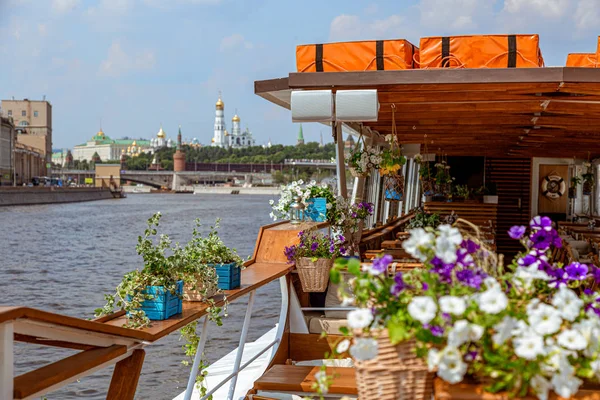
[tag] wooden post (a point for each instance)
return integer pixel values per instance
(341, 164)
(126, 376)
(6, 360)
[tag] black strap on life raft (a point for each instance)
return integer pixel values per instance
(512, 51)
(379, 55)
(445, 52)
(319, 57)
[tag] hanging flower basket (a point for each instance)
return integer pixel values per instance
(428, 186)
(394, 187)
(396, 373)
(314, 275)
(362, 159)
(587, 187)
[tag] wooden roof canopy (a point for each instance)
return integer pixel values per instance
(521, 112)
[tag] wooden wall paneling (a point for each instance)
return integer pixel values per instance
(512, 177)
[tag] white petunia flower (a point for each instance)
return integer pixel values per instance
(541, 386)
(450, 233)
(419, 239)
(568, 303)
(321, 378)
(504, 330)
(360, 318)
(590, 329)
(422, 309)
(453, 305)
(343, 346)
(451, 367)
(364, 349)
(463, 332)
(492, 301)
(433, 359)
(445, 249)
(566, 385)
(572, 339)
(529, 347)
(491, 283)
(544, 319)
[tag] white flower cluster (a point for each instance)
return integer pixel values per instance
(369, 157)
(288, 196)
(445, 244)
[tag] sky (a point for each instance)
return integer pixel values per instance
(131, 65)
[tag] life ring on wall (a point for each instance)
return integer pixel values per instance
(553, 186)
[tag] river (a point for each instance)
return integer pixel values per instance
(63, 258)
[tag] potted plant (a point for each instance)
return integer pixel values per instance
(200, 279)
(575, 181)
(588, 179)
(424, 220)
(313, 256)
(426, 177)
(490, 195)
(211, 251)
(155, 291)
(462, 193)
(390, 167)
(318, 200)
(359, 212)
(362, 159)
(531, 329)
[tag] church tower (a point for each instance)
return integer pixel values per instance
(219, 138)
(179, 156)
(300, 137)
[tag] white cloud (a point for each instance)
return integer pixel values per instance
(587, 15)
(64, 6)
(235, 41)
(546, 8)
(455, 14)
(351, 27)
(119, 62)
(43, 29)
(111, 7)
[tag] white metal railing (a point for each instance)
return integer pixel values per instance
(237, 367)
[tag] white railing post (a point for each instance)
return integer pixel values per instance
(6, 360)
(194, 373)
(240, 352)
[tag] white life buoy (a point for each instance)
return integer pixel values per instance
(553, 186)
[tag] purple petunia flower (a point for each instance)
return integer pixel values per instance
(542, 239)
(543, 223)
(588, 292)
(576, 271)
(464, 259)
(442, 269)
(437, 331)
(332, 249)
(290, 253)
(425, 286)
(380, 264)
(471, 278)
(470, 246)
(596, 273)
(516, 232)
(314, 246)
(398, 285)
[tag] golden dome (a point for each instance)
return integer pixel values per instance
(129, 149)
(235, 118)
(213, 140)
(161, 134)
(100, 133)
(226, 133)
(134, 143)
(220, 105)
(122, 151)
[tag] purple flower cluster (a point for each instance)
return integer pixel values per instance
(542, 235)
(399, 284)
(313, 244)
(362, 210)
(464, 269)
(380, 264)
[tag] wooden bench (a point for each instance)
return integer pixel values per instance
(295, 378)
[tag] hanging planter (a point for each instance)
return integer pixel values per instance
(588, 186)
(428, 186)
(363, 159)
(394, 187)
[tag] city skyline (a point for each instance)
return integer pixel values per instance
(136, 63)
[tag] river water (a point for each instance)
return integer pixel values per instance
(63, 258)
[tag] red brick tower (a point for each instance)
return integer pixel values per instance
(179, 156)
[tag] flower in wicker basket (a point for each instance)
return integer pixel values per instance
(314, 256)
(530, 330)
(362, 160)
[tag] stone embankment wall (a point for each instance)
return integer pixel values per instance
(19, 196)
(272, 191)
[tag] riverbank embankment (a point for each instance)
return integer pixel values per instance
(263, 190)
(22, 196)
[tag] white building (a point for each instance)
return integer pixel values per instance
(236, 139)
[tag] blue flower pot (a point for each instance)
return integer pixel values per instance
(230, 276)
(393, 195)
(317, 209)
(164, 304)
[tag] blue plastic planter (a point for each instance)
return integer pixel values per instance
(164, 304)
(229, 276)
(317, 209)
(392, 195)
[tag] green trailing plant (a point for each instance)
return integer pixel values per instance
(575, 181)
(423, 220)
(463, 191)
(159, 269)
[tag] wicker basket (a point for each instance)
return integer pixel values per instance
(395, 374)
(314, 276)
(357, 174)
(189, 294)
